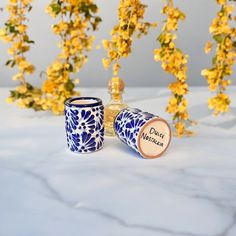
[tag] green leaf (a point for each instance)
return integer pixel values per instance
(93, 8)
(8, 62)
(98, 19)
(218, 38)
(56, 8)
(29, 86)
(214, 60)
(69, 85)
(12, 29)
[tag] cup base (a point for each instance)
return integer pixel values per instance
(83, 152)
(154, 138)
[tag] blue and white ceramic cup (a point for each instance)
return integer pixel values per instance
(84, 117)
(147, 134)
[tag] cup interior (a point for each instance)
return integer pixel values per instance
(83, 102)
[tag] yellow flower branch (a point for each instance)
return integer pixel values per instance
(224, 36)
(76, 18)
(15, 33)
(131, 14)
(174, 62)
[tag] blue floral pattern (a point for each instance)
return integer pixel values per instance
(128, 123)
(84, 128)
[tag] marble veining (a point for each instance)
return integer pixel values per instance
(48, 190)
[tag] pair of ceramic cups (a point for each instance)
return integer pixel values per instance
(146, 133)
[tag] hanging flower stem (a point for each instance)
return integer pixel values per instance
(225, 54)
(131, 14)
(15, 33)
(76, 19)
(174, 62)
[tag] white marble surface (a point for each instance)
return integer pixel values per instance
(47, 191)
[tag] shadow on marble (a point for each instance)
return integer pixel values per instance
(199, 111)
(115, 143)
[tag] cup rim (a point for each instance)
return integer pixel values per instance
(98, 102)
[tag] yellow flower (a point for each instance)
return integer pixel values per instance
(131, 14)
(26, 2)
(172, 106)
(157, 54)
(3, 33)
(18, 76)
(224, 59)
(219, 103)
(179, 88)
(49, 86)
(22, 28)
(106, 63)
(72, 28)
(15, 33)
(183, 106)
(10, 100)
(174, 62)
(76, 81)
(208, 47)
(225, 83)
(180, 129)
(21, 103)
(221, 2)
(106, 44)
(21, 89)
(57, 66)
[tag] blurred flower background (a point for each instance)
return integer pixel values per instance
(140, 69)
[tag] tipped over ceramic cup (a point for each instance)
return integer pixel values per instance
(147, 134)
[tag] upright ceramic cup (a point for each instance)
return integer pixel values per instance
(147, 134)
(84, 117)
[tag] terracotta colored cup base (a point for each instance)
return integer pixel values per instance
(154, 138)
